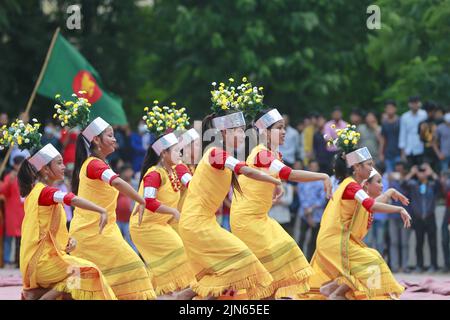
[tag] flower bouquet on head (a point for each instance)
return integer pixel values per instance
(347, 139)
(163, 120)
(250, 99)
(25, 136)
(74, 112)
(224, 97)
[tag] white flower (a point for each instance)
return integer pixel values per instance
(27, 140)
(343, 136)
(74, 95)
(144, 118)
(214, 84)
(34, 120)
(62, 124)
(18, 131)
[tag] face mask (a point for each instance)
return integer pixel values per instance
(142, 128)
(49, 130)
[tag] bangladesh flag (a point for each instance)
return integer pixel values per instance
(68, 72)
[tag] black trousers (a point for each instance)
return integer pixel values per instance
(426, 226)
(311, 246)
(446, 238)
(415, 160)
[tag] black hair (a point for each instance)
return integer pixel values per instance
(206, 125)
(81, 155)
(26, 177)
(414, 98)
(429, 106)
(150, 160)
(357, 111)
(390, 101)
(381, 167)
(125, 167)
(18, 160)
(340, 167)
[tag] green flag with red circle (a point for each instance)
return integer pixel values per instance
(68, 72)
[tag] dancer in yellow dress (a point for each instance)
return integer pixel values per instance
(48, 271)
(250, 221)
(157, 242)
(220, 261)
(345, 268)
(94, 180)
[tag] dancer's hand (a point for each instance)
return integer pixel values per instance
(71, 245)
(277, 193)
(397, 196)
(328, 186)
(140, 209)
(103, 221)
(176, 215)
(406, 218)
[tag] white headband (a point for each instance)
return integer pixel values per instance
(358, 156)
(189, 136)
(268, 119)
(373, 173)
(43, 156)
(95, 128)
(229, 121)
(165, 142)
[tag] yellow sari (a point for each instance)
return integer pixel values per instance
(124, 270)
(159, 244)
(342, 256)
(218, 258)
(43, 260)
(274, 247)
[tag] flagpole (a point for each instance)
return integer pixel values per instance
(33, 93)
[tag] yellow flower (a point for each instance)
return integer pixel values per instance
(355, 141)
(244, 79)
(155, 102)
(260, 88)
(68, 103)
(346, 142)
(57, 96)
(146, 109)
(173, 104)
(88, 104)
(54, 116)
(231, 80)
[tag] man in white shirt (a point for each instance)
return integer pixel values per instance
(411, 146)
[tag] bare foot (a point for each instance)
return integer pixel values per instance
(186, 294)
(168, 296)
(329, 288)
(34, 294)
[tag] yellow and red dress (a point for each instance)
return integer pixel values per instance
(43, 260)
(218, 258)
(157, 242)
(342, 256)
(250, 222)
(124, 270)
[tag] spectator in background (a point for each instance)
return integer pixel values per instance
(125, 206)
(308, 137)
(427, 134)
(398, 235)
(321, 153)
(290, 150)
(356, 117)
(312, 203)
(377, 233)
(300, 127)
(14, 214)
(280, 208)
(409, 141)
(370, 134)
(390, 131)
(51, 136)
(331, 126)
(69, 144)
(424, 193)
(443, 142)
(137, 146)
(445, 180)
(439, 115)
